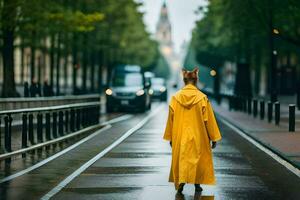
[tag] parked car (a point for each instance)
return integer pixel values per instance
(128, 89)
(159, 88)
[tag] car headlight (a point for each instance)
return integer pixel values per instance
(162, 89)
(140, 93)
(150, 91)
(109, 92)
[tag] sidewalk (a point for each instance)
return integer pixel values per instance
(277, 138)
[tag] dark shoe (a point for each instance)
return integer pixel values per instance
(180, 188)
(198, 188)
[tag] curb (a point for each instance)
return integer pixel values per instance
(271, 148)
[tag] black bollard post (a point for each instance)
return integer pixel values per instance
(292, 108)
(262, 109)
(84, 112)
(67, 125)
(249, 106)
(7, 133)
(255, 107)
(39, 127)
(277, 113)
(78, 119)
(245, 105)
(24, 131)
(72, 123)
(270, 111)
(30, 129)
(298, 99)
(54, 125)
(97, 115)
(0, 135)
(48, 126)
(61, 123)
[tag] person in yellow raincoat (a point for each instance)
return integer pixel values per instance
(191, 127)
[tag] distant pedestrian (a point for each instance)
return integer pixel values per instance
(191, 127)
(47, 89)
(33, 88)
(26, 89)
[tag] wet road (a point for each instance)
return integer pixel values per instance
(138, 168)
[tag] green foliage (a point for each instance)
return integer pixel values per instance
(95, 33)
(240, 30)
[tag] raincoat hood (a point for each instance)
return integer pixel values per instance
(189, 96)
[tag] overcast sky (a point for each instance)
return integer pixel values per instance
(181, 13)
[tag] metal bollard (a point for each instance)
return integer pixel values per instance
(72, 120)
(39, 127)
(61, 123)
(277, 113)
(262, 110)
(84, 112)
(298, 99)
(67, 125)
(54, 125)
(48, 126)
(249, 101)
(244, 104)
(24, 131)
(7, 133)
(90, 117)
(78, 119)
(292, 108)
(30, 129)
(255, 107)
(270, 111)
(0, 135)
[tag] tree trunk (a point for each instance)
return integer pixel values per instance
(100, 64)
(9, 85)
(22, 63)
(93, 62)
(84, 64)
(75, 62)
(52, 61)
(58, 56)
(9, 12)
(32, 56)
(66, 63)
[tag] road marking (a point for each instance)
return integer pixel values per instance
(107, 125)
(67, 180)
(283, 162)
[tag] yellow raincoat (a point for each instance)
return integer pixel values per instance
(191, 126)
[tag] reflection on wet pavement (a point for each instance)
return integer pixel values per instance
(139, 168)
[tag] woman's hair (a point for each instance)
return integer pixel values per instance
(190, 76)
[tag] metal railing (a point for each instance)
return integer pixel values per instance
(32, 102)
(47, 123)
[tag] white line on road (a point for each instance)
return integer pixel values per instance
(107, 125)
(283, 162)
(67, 180)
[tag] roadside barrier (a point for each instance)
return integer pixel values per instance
(270, 111)
(262, 109)
(292, 108)
(48, 123)
(277, 113)
(255, 109)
